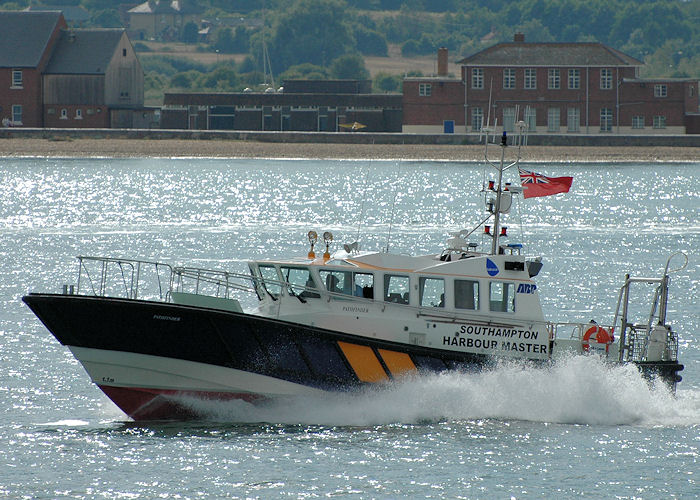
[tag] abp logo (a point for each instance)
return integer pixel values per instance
(491, 267)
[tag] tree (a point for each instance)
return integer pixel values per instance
(384, 82)
(190, 33)
(370, 42)
(312, 31)
(349, 66)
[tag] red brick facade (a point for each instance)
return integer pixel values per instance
(536, 83)
(28, 94)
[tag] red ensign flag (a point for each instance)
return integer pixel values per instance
(535, 184)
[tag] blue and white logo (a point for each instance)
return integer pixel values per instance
(491, 267)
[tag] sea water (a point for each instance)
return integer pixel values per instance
(579, 428)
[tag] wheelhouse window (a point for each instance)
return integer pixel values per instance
(575, 79)
(396, 289)
(270, 280)
(432, 292)
(502, 296)
(606, 78)
(364, 285)
(300, 281)
(337, 281)
(467, 294)
(530, 78)
(509, 78)
(425, 89)
(553, 79)
(17, 79)
(478, 78)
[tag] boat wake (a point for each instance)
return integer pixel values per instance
(577, 390)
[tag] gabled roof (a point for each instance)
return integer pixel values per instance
(165, 7)
(550, 54)
(84, 51)
(25, 37)
(70, 12)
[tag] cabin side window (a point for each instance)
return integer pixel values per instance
(467, 294)
(300, 281)
(502, 296)
(396, 289)
(364, 285)
(432, 292)
(337, 281)
(270, 280)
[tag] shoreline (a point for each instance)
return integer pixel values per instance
(236, 149)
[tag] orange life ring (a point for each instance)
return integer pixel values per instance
(600, 335)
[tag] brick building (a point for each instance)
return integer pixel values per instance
(26, 46)
(302, 105)
(52, 76)
(575, 88)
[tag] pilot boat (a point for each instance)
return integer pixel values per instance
(326, 322)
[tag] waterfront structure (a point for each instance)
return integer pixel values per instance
(300, 105)
(94, 80)
(53, 76)
(555, 88)
(26, 45)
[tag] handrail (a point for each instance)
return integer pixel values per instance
(131, 286)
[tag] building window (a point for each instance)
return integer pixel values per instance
(574, 78)
(51, 111)
(606, 78)
(78, 114)
(17, 79)
(638, 121)
(478, 78)
(531, 119)
(692, 91)
(659, 121)
(553, 120)
(573, 120)
(425, 89)
(509, 119)
(64, 114)
(123, 52)
(477, 119)
(606, 118)
(553, 79)
(530, 78)
(660, 90)
(16, 114)
(509, 78)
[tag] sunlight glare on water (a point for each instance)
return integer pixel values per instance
(578, 428)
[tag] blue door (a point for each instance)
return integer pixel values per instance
(449, 126)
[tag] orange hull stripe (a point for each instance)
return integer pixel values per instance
(398, 363)
(362, 359)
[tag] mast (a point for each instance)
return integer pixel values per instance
(499, 190)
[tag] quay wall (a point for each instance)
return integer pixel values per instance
(596, 140)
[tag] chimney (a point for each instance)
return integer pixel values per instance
(442, 61)
(519, 37)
